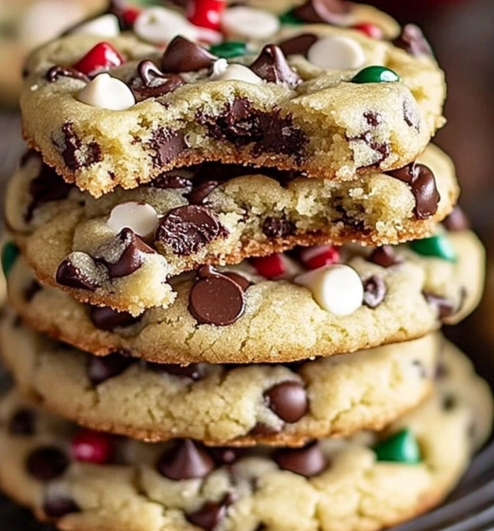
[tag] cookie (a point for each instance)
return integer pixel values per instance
(211, 215)
(222, 404)
(272, 310)
(315, 97)
(84, 480)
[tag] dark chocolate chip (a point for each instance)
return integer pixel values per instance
(186, 460)
(108, 319)
(68, 274)
(457, 221)
(330, 11)
(298, 45)
(22, 422)
(373, 118)
(56, 72)
(183, 55)
(271, 65)
(384, 256)
(30, 291)
(74, 153)
(215, 298)
(445, 307)
(278, 228)
(449, 402)
(200, 192)
(263, 430)
(57, 506)
(192, 371)
(188, 229)
(374, 291)
(410, 115)
(47, 463)
(382, 150)
(412, 40)
(168, 146)
(422, 183)
(101, 369)
(152, 82)
(288, 400)
(170, 181)
(239, 279)
(119, 9)
(307, 462)
(209, 515)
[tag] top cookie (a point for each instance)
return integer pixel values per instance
(329, 100)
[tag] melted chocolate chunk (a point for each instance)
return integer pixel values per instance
(307, 462)
(100, 369)
(288, 400)
(445, 307)
(58, 506)
(216, 298)
(384, 256)
(186, 460)
(152, 82)
(263, 430)
(192, 371)
(68, 274)
(170, 181)
(210, 514)
(183, 55)
(422, 183)
(189, 229)
(457, 221)
(74, 153)
(56, 72)
(271, 65)
(22, 422)
(278, 228)
(239, 279)
(47, 463)
(412, 40)
(325, 11)
(30, 291)
(108, 319)
(168, 146)
(200, 192)
(374, 291)
(298, 45)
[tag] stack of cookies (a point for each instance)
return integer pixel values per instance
(231, 249)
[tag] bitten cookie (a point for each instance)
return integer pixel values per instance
(222, 404)
(213, 214)
(276, 309)
(311, 93)
(89, 481)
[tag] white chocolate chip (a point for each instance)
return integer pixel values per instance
(336, 288)
(222, 71)
(107, 92)
(249, 23)
(160, 25)
(336, 53)
(140, 217)
(104, 26)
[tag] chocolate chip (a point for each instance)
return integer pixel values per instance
(215, 298)
(168, 145)
(288, 400)
(457, 221)
(239, 279)
(201, 191)
(152, 82)
(30, 291)
(132, 257)
(384, 256)
(298, 45)
(189, 229)
(101, 369)
(374, 291)
(22, 422)
(47, 463)
(317, 11)
(56, 72)
(271, 65)
(444, 307)
(170, 181)
(57, 506)
(183, 55)
(382, 150)
(107, 319)
(422, 183)
(307, 462)
(186, 460)
(410, 115)
(263, 430)
(278, 228)
(412, 40)
(192, 371)
(119, 9)
(449, 402)
(74, 153)
(72, 276)
(373, 118)
(209, 515)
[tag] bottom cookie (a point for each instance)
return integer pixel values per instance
(87, 481)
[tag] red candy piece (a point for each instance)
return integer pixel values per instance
(320, 256)
(371, 30)
(102, 57)
(206, 13)
(92, 447)
(130, 14)
(269, 266)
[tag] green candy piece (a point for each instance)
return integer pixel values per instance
(290, 18)
(401, 447)
(438, 246)
(10, 252)
(376, 74)
(229, 49)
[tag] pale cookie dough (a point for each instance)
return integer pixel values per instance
(375, 108)
(366, 483)
(243, 216)
(219, 404)
(330, 310)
